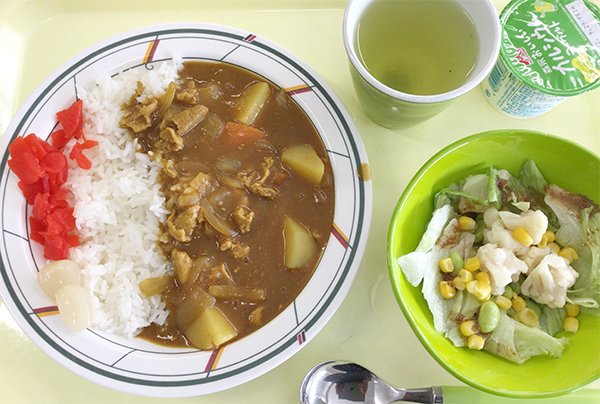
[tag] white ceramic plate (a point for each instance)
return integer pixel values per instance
(137, 366)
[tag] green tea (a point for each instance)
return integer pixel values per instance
(421, 47)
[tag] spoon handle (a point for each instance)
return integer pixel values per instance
(427, 395)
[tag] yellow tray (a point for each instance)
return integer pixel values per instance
(36, 37)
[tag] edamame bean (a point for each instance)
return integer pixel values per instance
(508, 292)
(516, 288)
(478, 232)
(489, 315)
(457, 261)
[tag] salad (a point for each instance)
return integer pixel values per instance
(507, 263)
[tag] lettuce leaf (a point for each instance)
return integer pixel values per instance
(474, 194)
(532, 178)
(416, 264)
(517, 342)
(464, 307)
(516, 190)
(551, 320)
(579, 219)
(421, 265)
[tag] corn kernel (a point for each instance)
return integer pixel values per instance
(447, 290)
(503, 302)
(468, 328)
(460, 281)
(483, 277)
(472, 264)
(572, 309)
(521, 235)
(554, 247)
(475, 342)
(547, 238)
(445, 265)
(550, 236)
(571, 324)
(481, 290)
(569, 254)
(528, 317)
(518, 303)
(466, 223)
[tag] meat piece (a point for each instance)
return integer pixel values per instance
(187, 97)
(219, 275)
(187, 119)
(140, 117)
(182, 263)
(265, 167)
(169, 169)
(254, 180)
(243, 217)
(180, 233)
(238, 250)
(263, 191)
(177, 234)
(169, 141)
(203, 183)
(187, 219)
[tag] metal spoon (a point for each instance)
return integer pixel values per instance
(347, 382)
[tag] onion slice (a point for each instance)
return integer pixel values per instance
(215, 221)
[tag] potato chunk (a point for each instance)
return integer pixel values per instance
(192, 307)
(210, 330)
(305, 162)
(251, 102)
(300, 246)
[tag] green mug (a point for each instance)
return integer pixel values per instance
(395, 109)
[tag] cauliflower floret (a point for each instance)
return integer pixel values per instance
(502, 264)
(549, 281)
(499, 235)
(490, 217)
(533, 221)
(534, 256)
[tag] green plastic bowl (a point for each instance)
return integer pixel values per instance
(563, 163)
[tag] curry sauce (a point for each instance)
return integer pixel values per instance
(245, 177)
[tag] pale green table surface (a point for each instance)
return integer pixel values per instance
(38, 36)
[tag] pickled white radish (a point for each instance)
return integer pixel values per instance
(75, 307)
(57, 275)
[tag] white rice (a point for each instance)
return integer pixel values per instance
(118, 207)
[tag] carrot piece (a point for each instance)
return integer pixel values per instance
(237, 134)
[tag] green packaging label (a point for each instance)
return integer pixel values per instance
(553, 45)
